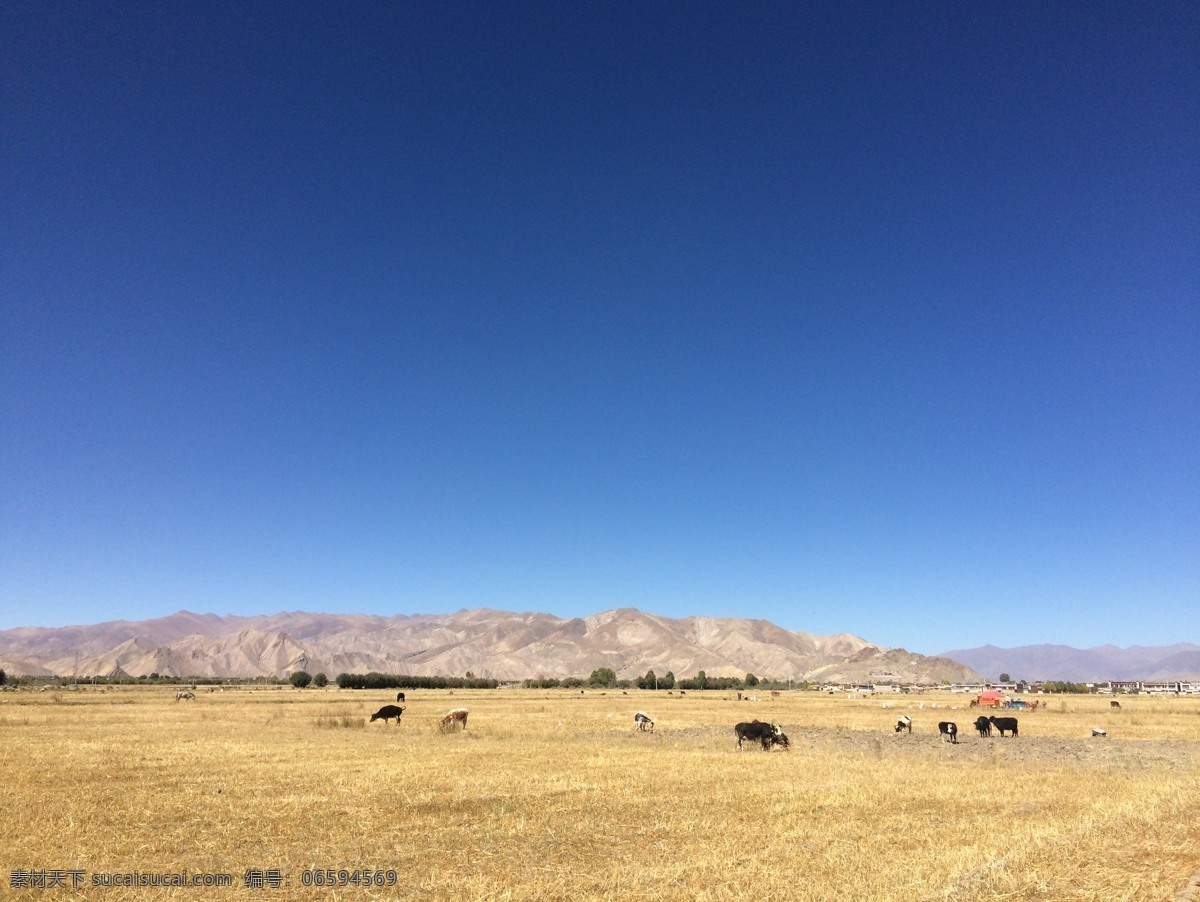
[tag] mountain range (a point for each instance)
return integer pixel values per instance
(490, 644)
(1081, 665)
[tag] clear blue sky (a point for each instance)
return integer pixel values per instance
(868, 318)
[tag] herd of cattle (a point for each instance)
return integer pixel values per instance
(768, 735)
(948, 730)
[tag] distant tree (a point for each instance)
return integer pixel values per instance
(572, 683)
(1005, 678)
(603, 676)
(3, 677)
(1065, 687)
(320, 681)
(300, 679)
(751, 680)
(649, 681)
(470, 676)
(667, 682)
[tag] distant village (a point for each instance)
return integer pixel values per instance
(1039, 687)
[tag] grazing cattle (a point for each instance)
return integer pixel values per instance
(1097, 731)
(984, 726)
(1004, 723)
(387, 712)
(768, 734)
(904, 723)
(949, 730)
(184, 696)
(643, 722)
(399, 696)
(454, 716)
(1115, 705)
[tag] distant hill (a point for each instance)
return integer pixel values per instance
(1083, 665)
(496, 644)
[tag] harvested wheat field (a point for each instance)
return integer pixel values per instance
(552, 795)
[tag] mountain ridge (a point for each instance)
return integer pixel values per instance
(502, 645)
(1101, 663)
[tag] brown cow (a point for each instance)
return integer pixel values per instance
(454, 716)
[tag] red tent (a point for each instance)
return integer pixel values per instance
(990, 698)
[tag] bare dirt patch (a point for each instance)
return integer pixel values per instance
(1103, 752)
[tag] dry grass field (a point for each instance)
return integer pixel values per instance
(551, 795)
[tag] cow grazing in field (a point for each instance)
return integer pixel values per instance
(643, 722)
(1004, 723)
(453, 717)
(399, 696)
(768, 734)
(984, 726)
(387, 712)
(949, 730)
(904, 723)
(1115, 705)
(184, 696)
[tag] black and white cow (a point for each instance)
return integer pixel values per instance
(1004, 723)
(949, 730)
(387, 712)
(643, 722)
(984, 726)
(768, 734)
(904, 723)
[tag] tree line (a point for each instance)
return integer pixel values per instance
(375, 680)
(606, 678)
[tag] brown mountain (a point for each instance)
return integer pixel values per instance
(497, 644)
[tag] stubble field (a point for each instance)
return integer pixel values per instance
(551, 795)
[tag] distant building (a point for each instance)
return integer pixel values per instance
(1155, 687)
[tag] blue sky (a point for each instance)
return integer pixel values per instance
(860, 318)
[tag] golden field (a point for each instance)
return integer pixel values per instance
(551, 795)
